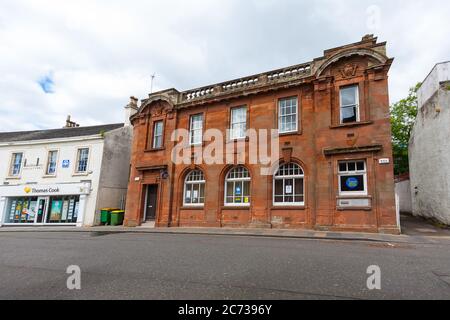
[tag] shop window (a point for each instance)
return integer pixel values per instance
(196, 129)
(288, 115)
(51, 163)
(63, 209)
(82, 160)
(194, 189)
(349, 104)
(16, 164)
(238, 126)
(158, 133)
(21, 210)
(237, 187)
(352, 178)
(289, 186)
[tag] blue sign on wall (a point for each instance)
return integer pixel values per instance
(66, 164)
(352, 183)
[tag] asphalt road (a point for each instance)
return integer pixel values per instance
(163, 266)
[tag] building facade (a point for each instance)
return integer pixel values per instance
(63, 176)
(429, 148)
(331, 166)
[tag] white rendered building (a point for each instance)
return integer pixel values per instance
(63, 176)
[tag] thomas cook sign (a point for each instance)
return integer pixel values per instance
(45, 190)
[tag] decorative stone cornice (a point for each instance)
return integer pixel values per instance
(358, 149)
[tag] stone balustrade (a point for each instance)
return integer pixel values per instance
(281, 75)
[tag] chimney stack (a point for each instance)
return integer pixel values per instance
(131, 110)
(71, 124)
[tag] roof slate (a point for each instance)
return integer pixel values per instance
(57, 133)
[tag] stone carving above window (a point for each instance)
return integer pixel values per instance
(349, 70)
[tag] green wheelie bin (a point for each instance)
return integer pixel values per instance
(117, 217)
(105, 216)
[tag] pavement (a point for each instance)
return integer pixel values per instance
(150, 265)
(414, 230)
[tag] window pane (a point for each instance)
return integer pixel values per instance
(299, 187)
(343, 167)
(354, 183)
(348, 96)
(195, 193)
(279, 187)
(230, 186)
(351, 166)
(349, 114)
(288, 186)
(82, 160)
(361, 166)
(287, 113)
(188, 194)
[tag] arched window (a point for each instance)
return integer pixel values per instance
(237, 187)
(289, 186)
(194, 189)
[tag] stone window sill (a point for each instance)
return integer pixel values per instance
(351, 125)
(192, 208)
(280, 208)
(236, 208)
(155, 150)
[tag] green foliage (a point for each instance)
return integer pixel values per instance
(403, 116)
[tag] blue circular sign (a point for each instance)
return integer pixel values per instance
(352, 183)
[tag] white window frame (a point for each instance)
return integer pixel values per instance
(191, 183)
(47, 167)
(294, 177)
(193, 131)
(281, 116)
(353, 173)
(342, 106)
(233, 124)
(78, 160)
(12, 165)
(160, 135)
(234, 180)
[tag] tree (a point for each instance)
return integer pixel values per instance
(403, 116)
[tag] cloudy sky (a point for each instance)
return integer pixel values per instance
(85, 58)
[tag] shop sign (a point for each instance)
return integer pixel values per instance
(66, 164)
(45, 190)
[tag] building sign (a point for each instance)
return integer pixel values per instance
(66, 164)
(37, 190)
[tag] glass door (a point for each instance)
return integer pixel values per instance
(42, 209)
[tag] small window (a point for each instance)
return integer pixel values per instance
(352, 178)
(194, 189)
(16, 164)
(287, 115)
(196, 129)
(82, 160)
(238, 123)
(51, 163)
(349, 104)
(158, 134)
(237, 187)
(289, 186)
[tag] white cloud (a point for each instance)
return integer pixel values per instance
(101, 52)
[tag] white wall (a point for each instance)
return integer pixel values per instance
(67, 150)
(115, 171)
(403, 190)
(429, 150)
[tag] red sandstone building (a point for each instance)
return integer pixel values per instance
(334, 170)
